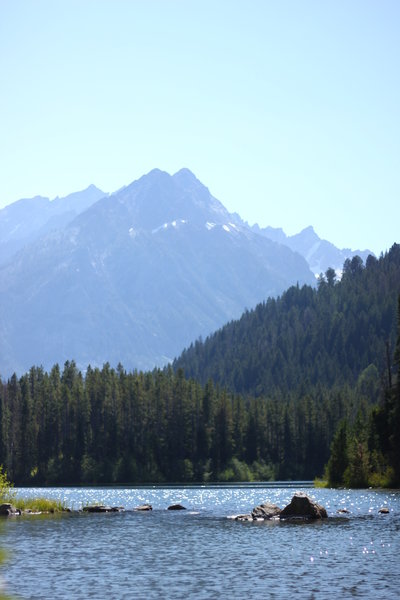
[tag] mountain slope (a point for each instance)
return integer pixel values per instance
(136, 277)
(307, 336)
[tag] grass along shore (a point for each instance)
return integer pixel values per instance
(34, 505)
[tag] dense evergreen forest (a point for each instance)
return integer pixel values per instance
(317, 376)
(111, 426)
(326, 336)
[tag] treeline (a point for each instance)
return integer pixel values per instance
(366, 450)
(308, 336)
(110, 426)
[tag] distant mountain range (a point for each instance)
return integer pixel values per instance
(135, 276)
(320, 254)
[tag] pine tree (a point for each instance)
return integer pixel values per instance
(339, 459)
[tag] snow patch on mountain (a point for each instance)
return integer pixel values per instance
(311, 251)
(175, 224)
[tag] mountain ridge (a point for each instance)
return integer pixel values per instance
(27, 219)
(319, 253)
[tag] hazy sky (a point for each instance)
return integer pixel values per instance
(288, 111)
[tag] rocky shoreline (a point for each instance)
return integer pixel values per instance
(9, 510)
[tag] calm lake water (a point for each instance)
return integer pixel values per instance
(200, 553)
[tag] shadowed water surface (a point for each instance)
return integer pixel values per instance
(199, 553)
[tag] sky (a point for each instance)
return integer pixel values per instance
(289, 111)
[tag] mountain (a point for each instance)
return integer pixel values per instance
(320, 254)
(340, 333)
(136, 277)
(28, 219)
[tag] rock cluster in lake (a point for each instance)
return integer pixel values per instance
(300, 507)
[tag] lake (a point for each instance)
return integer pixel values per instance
(200, 553)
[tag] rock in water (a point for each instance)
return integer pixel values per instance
(267, 510)
(301, 506)
(242, 518)
(144, 507)
(176, 507)
(7, 509)
(98, 508)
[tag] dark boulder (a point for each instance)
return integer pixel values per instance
(243, 518)
(7, 510)
(302, 507)
(176, 507)
(267, 510)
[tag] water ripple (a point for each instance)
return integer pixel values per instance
(199, 553)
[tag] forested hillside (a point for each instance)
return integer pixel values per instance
(366, 449)
(326, 336)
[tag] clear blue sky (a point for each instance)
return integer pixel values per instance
(288, 111)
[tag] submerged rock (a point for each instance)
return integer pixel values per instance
(29, 511)
(264, 511)
(243, 518)
(144, 507)
(100, 508)
(302, 507)
(176, 507)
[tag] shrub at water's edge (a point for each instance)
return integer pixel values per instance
(7, 493)
(320, 483)
(9, 496)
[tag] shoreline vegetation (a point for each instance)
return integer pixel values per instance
(11, 504)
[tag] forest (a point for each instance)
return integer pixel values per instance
(322, 398)
(111, 426)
